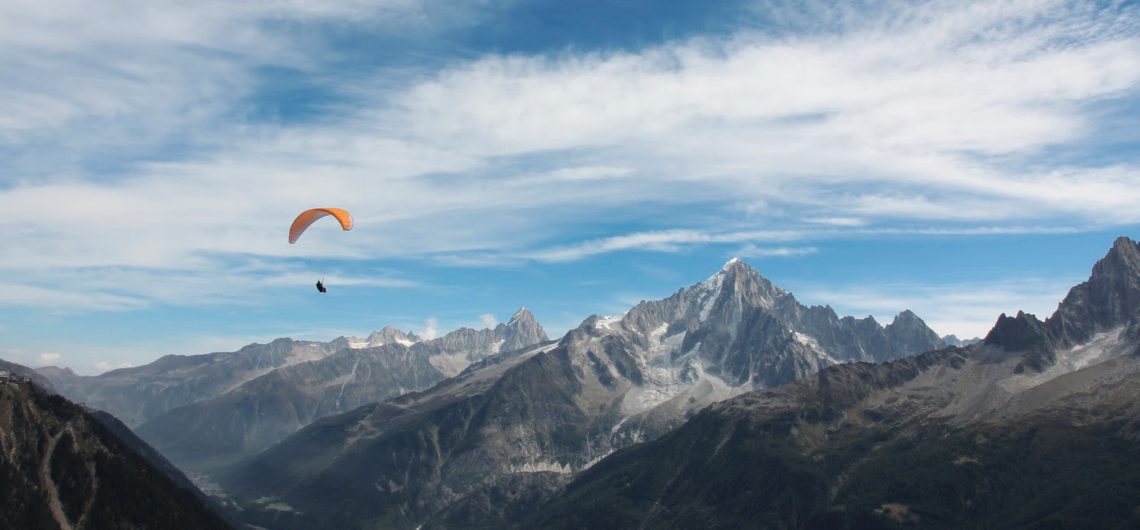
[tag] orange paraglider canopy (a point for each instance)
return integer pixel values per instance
(307, 218)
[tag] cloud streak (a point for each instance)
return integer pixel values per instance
(753, 251)
(667, 241)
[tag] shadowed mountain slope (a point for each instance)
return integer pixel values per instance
(61, 467)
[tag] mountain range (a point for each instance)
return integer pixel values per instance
(1035, 427)
(204, 409)
(727, 404)
(135, 395)
(266, 409)
(535, 417)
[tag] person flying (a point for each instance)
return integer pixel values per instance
(308, 217)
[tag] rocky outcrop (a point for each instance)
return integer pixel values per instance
(1109, 299)
(521, 331)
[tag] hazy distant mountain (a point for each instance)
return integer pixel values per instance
(135, 395)
(555, 409)
(64, 468)
(1035, 427)
(388, 335)
(29, 373)
(266, 409)
(953, 340)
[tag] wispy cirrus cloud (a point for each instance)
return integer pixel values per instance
(753, 251)
(836, 221)
(216, 282)
(758, 243)
(933, 116)
(666, 240)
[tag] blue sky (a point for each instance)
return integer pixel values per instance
(955, 158)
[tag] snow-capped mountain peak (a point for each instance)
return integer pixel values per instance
(522, 314)
(391, 335)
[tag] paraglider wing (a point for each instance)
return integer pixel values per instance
(308, 217)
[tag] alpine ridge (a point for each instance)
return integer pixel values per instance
(260, 412)
(138, 394)
(535, 417)
(1109, 300)
(1034, 427)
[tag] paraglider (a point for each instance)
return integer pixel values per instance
(309, 217)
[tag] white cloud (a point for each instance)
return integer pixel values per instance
(837, 221)
(865, 91)
(581, 174)
(49, 358)
(753, 251)
(431, 329)
(488, 320)
(104, 366)
(663, 241)
(142, 69)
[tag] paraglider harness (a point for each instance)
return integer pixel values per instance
(321, 286)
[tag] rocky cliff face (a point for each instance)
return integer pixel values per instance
(521, 331)
(743, 329)
(1108, 301)
(60, 467)
(908, 334)
(1110, 298)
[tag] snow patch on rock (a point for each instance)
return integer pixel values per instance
(1101, 347)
